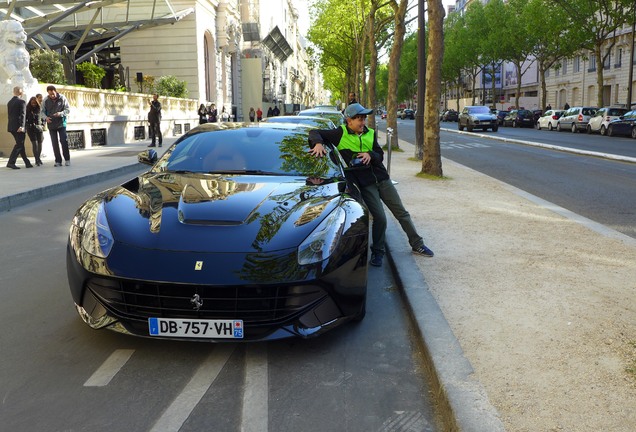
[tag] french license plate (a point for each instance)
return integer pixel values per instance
(191, 328)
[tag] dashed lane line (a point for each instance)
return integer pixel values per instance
(107, 371)
(255, 397)
(178, 412)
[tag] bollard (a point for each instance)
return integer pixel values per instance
(389, 132)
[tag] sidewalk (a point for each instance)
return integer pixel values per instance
(526, 311)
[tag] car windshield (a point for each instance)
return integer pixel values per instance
(616, 112)
(479, 110)
(524, 113)
(248, 150)
(630, 115)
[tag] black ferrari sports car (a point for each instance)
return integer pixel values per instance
(235, 233)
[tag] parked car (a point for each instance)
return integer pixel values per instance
(519, 118)
(477, 117)
(450, 115)
(236, 232)
(549, 120)
(601, 119)
(328, 112)
(536, 114)
(406, 113)
(575, 119)
(318, 122)
(501, 115)
(624, 125)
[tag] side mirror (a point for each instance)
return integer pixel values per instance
(147, 157)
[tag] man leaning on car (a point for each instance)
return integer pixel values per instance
(359, 147)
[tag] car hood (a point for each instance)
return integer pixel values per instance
(216, 213)
(483, 116)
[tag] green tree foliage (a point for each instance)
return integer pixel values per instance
(92, 74)
(170, 85)
(407, 85)
(46, 66)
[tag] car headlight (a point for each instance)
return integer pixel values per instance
(97, 239)
(320, 244)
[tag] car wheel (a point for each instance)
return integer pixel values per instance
(459, 126)
(574, 129)
(603, 130)
(634, 132)
(550, 127)
(558, 127)
(469, 128)
(538, 126)
(514, 124)
(610, 131)
(495, 128)
(360, 315)
(588, 129)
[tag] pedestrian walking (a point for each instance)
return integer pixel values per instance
(259, 114)
(269, 112)
(276, 111)
(56, 109)
(359, 147)
(252, 114)
(16, 116)
(35, 128)
(224, 115)
(154, 120)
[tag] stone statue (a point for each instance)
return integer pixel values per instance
(14, 57)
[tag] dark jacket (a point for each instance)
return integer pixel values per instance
(154, 115)
(33, 119)
(16, 112)
(54, 106)
(375, 173)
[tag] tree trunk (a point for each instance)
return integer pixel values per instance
(394, 67)
(373, 62)
(432, 163)
(599, 77)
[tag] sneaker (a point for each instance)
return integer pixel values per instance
(159, 145)
(67, 163)
(151, 145)
(423, 250)
(376, 260)
(57, 164)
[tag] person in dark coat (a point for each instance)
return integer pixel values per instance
(203, 114)
(56, 110)
(16, 114)
(35, 128)
(154, 119)
(269, 112)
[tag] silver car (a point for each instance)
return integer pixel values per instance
(477, 117)
(576, 119)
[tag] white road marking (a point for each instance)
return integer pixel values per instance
(255, 397)
(109, 368)
(177, 413)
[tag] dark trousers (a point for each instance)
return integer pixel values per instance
(155, 132)
(384, 192)
(18, 149)
(37, 138)
(58, 136)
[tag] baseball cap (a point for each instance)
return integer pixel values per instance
(356, 109)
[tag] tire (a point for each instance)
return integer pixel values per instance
(496, 128)
(610, 131)
(538, 126)
(469, 128)
(574, 129)
(588, 129)
(550, 127)
(603, 130)
(514, 124)
(634, 132)
(558, 127)
(459, 126)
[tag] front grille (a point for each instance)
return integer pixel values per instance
(252, 304)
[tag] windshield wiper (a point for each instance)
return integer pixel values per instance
(245, 171)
